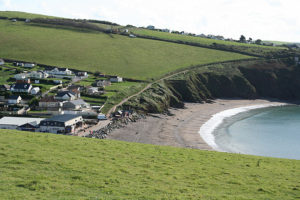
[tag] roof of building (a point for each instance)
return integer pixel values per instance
(14, 97)
(48, 99)
(5, 86)
(62, 118)
(18, 121)
(63, 93)
(78, 102)
(20, 86)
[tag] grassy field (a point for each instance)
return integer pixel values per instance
(47, 166)
(15, 14)
(91, 51)
(242, 47)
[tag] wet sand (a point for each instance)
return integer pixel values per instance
(181, 128)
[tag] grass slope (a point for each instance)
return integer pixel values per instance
(91, 51)
(241, 47)
(17, 14)
(46, 166)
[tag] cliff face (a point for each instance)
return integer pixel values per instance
(274, 79)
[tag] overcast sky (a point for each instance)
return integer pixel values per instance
(263, 19)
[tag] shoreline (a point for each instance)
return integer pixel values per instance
(182, 127)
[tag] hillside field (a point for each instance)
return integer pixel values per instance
(93, 51)
(48, 166)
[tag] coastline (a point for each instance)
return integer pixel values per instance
(182, 127)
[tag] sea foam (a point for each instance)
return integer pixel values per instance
(208, 128)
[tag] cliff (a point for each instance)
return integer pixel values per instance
(256, 79)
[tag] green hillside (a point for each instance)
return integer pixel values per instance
(94, 51)
(47, 166)
(254, 49)
(17, 14)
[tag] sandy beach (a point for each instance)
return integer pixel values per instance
(181, 128)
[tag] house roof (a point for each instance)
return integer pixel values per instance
(5, 86)
(18, 121)
(21, 86)
(48, 99)
(62, 118)
(78, 102)
(63, 93)
(14, 97)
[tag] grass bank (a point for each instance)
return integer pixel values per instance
(47, 166)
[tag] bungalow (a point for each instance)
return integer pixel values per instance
(60, 71)
(65, 96)
(2, 62)
(57, 81)
(75, 89)
(103, 83)
(61, 124)
(166, 30)
(21, 76)
(35, 90)
(75, 105)
(38, 75)
(49, 102)
(29, 65)
(116, 79)
(4, 88)
(16, 122)
(21, 87)
(26, 80)
(92, 90)
(14, 99)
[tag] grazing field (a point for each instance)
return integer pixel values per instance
(258, 50)
(48, 166)
(111, 54)
(15, 14)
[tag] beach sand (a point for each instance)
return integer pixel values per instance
(181, 129)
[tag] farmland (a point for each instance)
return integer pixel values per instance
(254, 49)
(93, 51)
(50, 166)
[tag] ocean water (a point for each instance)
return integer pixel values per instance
(271, 131)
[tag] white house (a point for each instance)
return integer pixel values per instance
(15, 122)
(29, 65)
(116, 79)
(35, 90)
(14, 99)
(2, 62)
(21, 76)
(57, 81)
(61, 124)
(60, 71)
(103, 83)
(82, 73)
(37, 75)
(65, 96)
(92, 90)
(166, 30)
(21, 87)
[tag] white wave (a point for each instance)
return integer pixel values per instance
(207, 129)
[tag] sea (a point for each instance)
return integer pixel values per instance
(265, 130)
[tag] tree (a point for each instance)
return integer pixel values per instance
(242, 38)
(258, 41)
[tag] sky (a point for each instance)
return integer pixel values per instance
(259, 19)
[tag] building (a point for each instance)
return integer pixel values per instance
(116, 79)
(82, 73)
(2, 62)
(21, 87)
(21, 76)
(75, 105)
(49, 102)
(166, 30)
(4, 88)
(29, 65)
(38, 75)
(57, 81)
(61, 124)
(60, 71)
(16, 122)
(14, 99)
(103, 83)
(75, 89)
(65, 96)
(150, 27)
(92, 90)
(35, 90)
